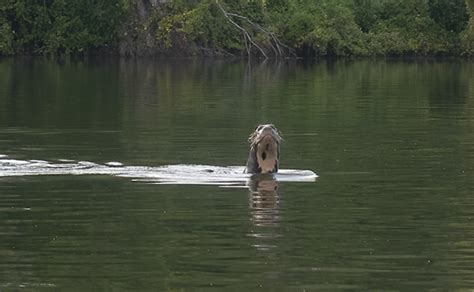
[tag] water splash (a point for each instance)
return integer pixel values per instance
(168, 174)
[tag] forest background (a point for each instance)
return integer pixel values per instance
(260, 28)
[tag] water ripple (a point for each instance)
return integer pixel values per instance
(168, 174)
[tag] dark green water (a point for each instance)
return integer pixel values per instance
(392, 142)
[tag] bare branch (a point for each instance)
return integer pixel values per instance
(277, 52)
(276, 41)
(244, 31)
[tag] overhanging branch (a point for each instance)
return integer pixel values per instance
(276, 45)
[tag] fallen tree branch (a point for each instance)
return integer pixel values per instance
(277, 52)
(244, 31)
(276, 45)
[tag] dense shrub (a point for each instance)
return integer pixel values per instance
(366, 27)
(450, 14)
(201, 26)
(311, 27)
(6, 37)
(60, 26)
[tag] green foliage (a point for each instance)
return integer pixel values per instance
(203, 26)
(6, 33)
(335, 32)
(450, 14)
(200, 25)
(318, 27)
(407, 27)
(6, 37)
(366, 13)
(467, 36)
(367, 27)
(467, 39)
(406, 32)
(60, 26)
(311, 27)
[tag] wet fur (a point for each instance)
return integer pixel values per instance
(254, 139)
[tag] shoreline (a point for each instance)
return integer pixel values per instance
(160, 57)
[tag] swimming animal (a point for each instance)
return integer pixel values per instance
(264, 153)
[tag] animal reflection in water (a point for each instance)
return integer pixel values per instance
(264, 204)
(261, 175)
(263, 161)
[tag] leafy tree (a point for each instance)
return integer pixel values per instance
(450, 14)
(467, 36)
(55, 26)
(6, 37)
(311, 27)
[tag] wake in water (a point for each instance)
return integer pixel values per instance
(169, 174)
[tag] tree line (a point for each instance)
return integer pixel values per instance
(261, 28)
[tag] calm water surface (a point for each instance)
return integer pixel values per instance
(392, 142)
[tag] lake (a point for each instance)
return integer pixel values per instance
(391, 141)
